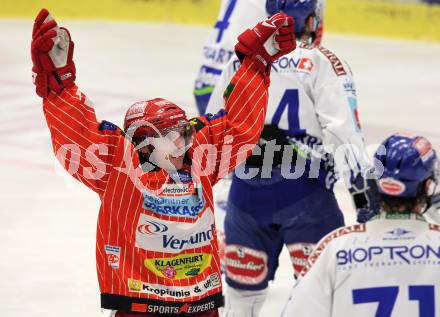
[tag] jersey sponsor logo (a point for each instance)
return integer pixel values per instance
(175, 292)
(190, 309)
(337, 65)
(391, 186)
(185, 308)
(400, 253)
(137, 307)
(178, 189)
(113, 260)
(185, 202)
(152, 227)
(330, 237)
(305, 65)
(245, 265)
(174, 237)
(179, 267)
(113, 255)
(350, 87)
(288, 63)
(196, 240)
(299, 253)
(398, 232)
(216, 55)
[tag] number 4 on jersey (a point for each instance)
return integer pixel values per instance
(223, 24)
(290, 100)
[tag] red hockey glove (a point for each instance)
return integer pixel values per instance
(267, 41)
(51, 51)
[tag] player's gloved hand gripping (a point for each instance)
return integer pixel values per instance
(52, 50)
(365, 196)
(267, 41)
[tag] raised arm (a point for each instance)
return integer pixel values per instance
(83, 146)
(233, 131)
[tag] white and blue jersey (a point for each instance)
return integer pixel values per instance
(389, 266)
(312, 100)
(312, 116)
(235, 16)
(312, 111)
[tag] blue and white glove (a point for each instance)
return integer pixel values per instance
(365, 196)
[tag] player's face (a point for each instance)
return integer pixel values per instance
(170, 148)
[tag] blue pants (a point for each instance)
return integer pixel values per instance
(263, 215)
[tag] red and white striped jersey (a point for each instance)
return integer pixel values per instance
(156, 246)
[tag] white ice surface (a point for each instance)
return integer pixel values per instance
(47, 220)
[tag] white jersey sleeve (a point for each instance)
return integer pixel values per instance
(337, 112)
(235, 16)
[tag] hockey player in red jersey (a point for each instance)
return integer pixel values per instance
(156, 247)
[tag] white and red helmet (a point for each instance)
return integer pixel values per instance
(147, 117)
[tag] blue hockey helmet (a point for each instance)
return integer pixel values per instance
(300, 10)
(408, 162)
